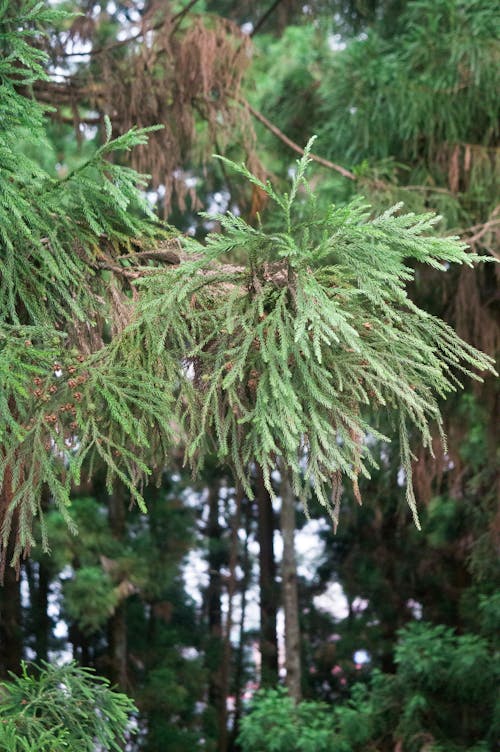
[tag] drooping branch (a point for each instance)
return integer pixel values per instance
(474, 235)
(262, 20)
(175, 20)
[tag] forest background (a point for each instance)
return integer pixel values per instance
(182, 607)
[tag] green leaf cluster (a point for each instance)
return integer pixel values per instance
(65, 401)
(290, 356)
(433, 82)
(62, 708)
(443, 694)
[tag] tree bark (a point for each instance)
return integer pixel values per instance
(246, 565)
(215, 652)
(290, 594)
(117, 623)
(227, 649)
(11, 645)
(39, 622)
(268, 641)
(11, 639)
(117, 641)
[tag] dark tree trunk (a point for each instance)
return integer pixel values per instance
(215, 652)
(117, 624)
(227, 649)
(11, 644)
(117, 640)
(238, 669)
(43, 619)
(290, 594)
(39, 622)
(80, 645)
(267, 584)
(11, 637)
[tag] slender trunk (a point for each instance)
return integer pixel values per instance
(290, 594)
(11, 644)
(44, 622)
(117, 641)
(238, 670)
(117, 623)
(80, 645)
(268, 641)
(231, 589)
(38, 578)
(214, 652)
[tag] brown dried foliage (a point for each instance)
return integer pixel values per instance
(172, 74)
(466, 163)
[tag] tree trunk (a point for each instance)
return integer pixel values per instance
(268, 641)
(11, 645)
(214, 652)
(117, 641)
(231, 590)
(39, 622)
(117, 623)
(11, 640)
(290, 594)
(246, 565)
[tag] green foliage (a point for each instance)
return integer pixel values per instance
(276, 724)
(280, 80)
(443, 693)
(279, 358)
(61, 708)
(442, 682)
(409, 105)
(283, 356)
(98, 578)
(64, 400)
(90, 598)
(418, 110)
(432, 83)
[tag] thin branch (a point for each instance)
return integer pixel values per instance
(288, 141)
(262, 20)
(176, 19)
(475, 233)
(169, 257)
(427, 189)
(112, 45)
(71, 121)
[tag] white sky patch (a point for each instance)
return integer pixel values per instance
(401, 477)
(336, 43)
(333, 601)
(361, 657)
(219, 202)
(415, 607)
(359, 605)
(309, 548)
(54, 604)
(280, 631)
(195, 573)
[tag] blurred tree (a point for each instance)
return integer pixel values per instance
(62, 708)
(120, 621)
(442, 696)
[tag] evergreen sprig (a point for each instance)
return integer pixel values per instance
(61, 708)
(65, 403)
(288, 357)
(293, 354)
